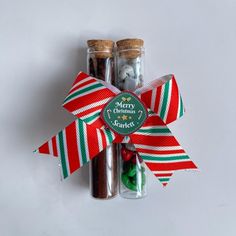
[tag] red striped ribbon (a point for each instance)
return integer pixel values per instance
(84, 138)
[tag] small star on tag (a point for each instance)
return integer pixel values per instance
(124, 117)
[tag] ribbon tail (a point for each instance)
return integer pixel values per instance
(160, 150)
(76, 145)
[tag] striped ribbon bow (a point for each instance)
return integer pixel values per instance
(88, 135)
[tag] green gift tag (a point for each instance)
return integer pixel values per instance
(125, 113)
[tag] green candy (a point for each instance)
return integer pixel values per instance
(132, 171)
(128, 184)
(129, 177)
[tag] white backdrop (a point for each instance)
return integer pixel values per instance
(42, 47)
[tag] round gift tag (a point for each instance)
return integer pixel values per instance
(125, 113)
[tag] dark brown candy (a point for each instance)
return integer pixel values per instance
(104, 167)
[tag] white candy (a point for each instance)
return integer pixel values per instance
(126, 72)
(129, 75)
(130, 84)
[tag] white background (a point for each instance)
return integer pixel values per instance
(42, 47)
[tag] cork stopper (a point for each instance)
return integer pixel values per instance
(100, 48)
(130, 48)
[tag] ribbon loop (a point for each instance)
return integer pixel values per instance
(86, 99)
(163, 98)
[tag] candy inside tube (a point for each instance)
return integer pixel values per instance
(130, 71)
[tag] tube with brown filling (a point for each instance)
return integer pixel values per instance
(103, 168)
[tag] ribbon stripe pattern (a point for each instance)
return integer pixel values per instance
(88, 135)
